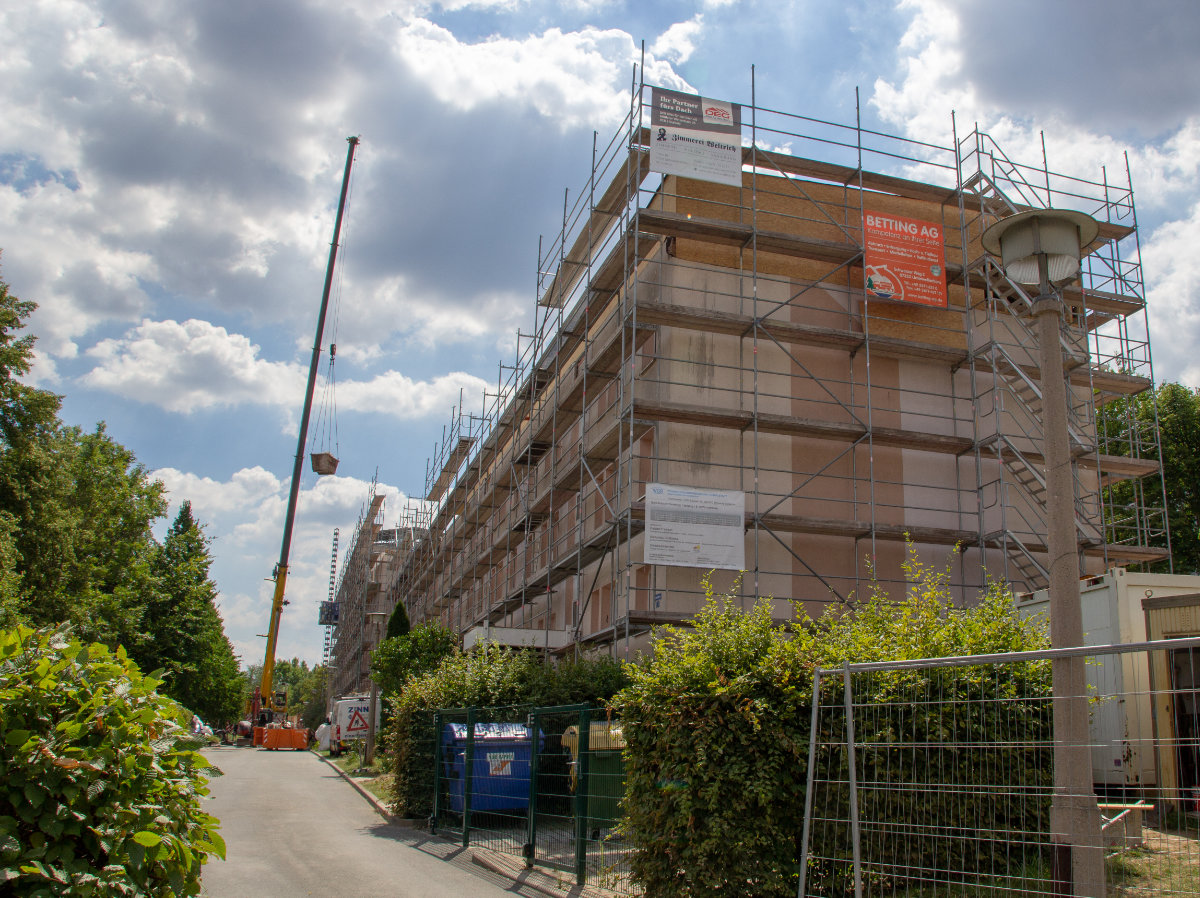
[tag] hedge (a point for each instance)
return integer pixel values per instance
(717, 727)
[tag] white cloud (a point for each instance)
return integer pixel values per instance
(678, 42)
(577, 78)
(183, 367)
(194, 365)
(213, 498)
(244, 518)
(1173, 296)
(935, 79)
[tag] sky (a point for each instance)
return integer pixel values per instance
(169, 175)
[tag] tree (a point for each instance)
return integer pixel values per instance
(25, 412)
(84, 507)
(184, 634)
(397, 660)
(1128, 424)
(398, 623)
(27, 417)
(309, 698)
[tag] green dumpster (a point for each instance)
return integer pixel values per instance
(606, 772)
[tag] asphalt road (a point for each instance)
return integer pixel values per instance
(293, 827)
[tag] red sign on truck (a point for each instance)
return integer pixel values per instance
(905, 260)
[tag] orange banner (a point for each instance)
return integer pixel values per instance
(905, 260)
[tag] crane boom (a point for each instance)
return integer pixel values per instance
(280, 573)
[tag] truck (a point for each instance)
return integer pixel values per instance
(351, 721)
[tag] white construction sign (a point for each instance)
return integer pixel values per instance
(695, 137)
(691, 527)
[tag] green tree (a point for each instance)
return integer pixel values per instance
(1127, 428)
(84, 508)
(398, 659)
(309, 698)
(25, 412)
(27, 417)
(184, 633)
(398, 623)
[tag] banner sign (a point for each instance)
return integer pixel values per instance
(695, 137)
(691, 527)
(327, 615)
(905, 260)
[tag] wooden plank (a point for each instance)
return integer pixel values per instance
(732, 233)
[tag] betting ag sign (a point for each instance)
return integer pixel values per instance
(695, 137)
(905, 260)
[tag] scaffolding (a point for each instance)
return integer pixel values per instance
(363, 595)
(703, 335)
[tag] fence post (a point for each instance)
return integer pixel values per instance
(808, 790)
(581, 798)
(530, 847)
(437, 771)
(468, 770)
(855, 835)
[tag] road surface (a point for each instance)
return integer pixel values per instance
(293, 827)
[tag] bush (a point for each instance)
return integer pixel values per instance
(99, 787)
(717, 727)
(487, 677)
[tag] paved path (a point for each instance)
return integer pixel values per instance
(293, 827)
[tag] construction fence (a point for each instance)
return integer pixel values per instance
(936, 777)
(540, 783)
(929, 778)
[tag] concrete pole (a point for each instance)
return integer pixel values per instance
(1077, 843)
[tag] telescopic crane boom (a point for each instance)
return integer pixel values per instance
(265, 703)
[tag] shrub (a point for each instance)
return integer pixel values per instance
(717, 726)
(99, 788)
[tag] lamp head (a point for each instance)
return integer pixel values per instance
(1059, 234)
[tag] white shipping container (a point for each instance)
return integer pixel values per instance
(1122, 727)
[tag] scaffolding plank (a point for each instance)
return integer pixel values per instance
(575, 263)
(733, 233)
(450, 468)
(735, 419)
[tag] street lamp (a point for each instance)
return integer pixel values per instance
(1042, 248)
(369, 753)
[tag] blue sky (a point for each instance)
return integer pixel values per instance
(169, 172)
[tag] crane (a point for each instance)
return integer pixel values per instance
(264, 704)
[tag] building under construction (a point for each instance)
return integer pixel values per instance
(727, 337)
(362, 597)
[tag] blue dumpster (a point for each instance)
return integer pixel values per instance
(500, 771)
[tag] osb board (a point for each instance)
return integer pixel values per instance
(808, 208)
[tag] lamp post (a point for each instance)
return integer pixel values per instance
(369, 753)
(1042, 248)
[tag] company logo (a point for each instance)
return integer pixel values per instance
(718, 113)
(500, 762)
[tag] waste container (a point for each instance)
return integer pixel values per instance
(606, 772)
(500, 768)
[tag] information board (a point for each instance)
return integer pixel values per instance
(695, 137)
(691, 527)
(905, 260)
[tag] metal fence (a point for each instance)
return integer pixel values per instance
(935, 777)
(540, 783)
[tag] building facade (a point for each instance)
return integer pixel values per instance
(727, 337)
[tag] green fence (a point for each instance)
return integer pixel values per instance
(544, 784)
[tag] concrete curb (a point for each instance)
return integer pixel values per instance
(379, 806)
